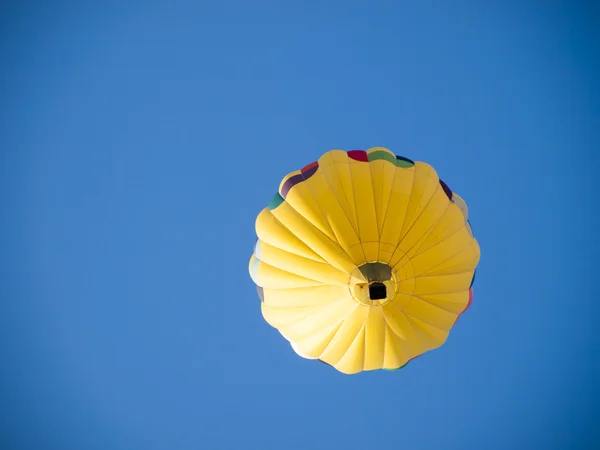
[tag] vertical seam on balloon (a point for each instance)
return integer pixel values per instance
(411, 316)
(319, 283)
(355, 337)
(437, 306)
(382, 213)
(385, 327)
(320, 212)
(295, 235)
(337, 331)
(394, 333)
(338, 243)
(458, 230)
(427, 233)
(307, 316)
(422, 211)
(338, 201)
(411, 327)
(396, 169)
(375, 207)
(443, 262)
(317, 229)
(301, 316)
(415, 221)
(259, 248)
(412, 186)
(355, 207)
(436, 224)
(344, 297)
(385, 333)
(353, 341)
(345, 215)
(433, 276)
(432, 229)
(337, 172)
(405, 211)
(325, 263)
(427, 274)
(433, 305)
(339, 325)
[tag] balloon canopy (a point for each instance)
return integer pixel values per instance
(364, 260)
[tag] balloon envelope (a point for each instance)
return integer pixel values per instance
(364, 260)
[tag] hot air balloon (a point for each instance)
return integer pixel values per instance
(364, 260)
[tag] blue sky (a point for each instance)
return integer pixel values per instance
(138, 144)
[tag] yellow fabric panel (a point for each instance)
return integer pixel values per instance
(429, 313)
(374, 339)
(282, 317)
(437, 255)
(462, 261)
(455, 302)
(406, 287)
(342, 340)
(302, 201)
(365, 208)
(304, 267)
(275, 278)
(325, 247)
(316, 343)
(337, 218)
(408, 341)
(430, 336)
(329, 314)
(353, 359)
(425, 183)
(428, 217)
(305, 296)
(394, 355)
(451, 222)
(342, 214)
(271, 231)
(443, 284)
(382, 179)
(394, 219)
(335, 169)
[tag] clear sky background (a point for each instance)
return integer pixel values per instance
(140, 140)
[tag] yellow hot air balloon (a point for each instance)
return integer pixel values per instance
(364, 260)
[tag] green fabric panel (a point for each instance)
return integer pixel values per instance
(404, 164)
(382, 155)
(275, 201)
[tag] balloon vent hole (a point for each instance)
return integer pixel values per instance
(377, 291)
